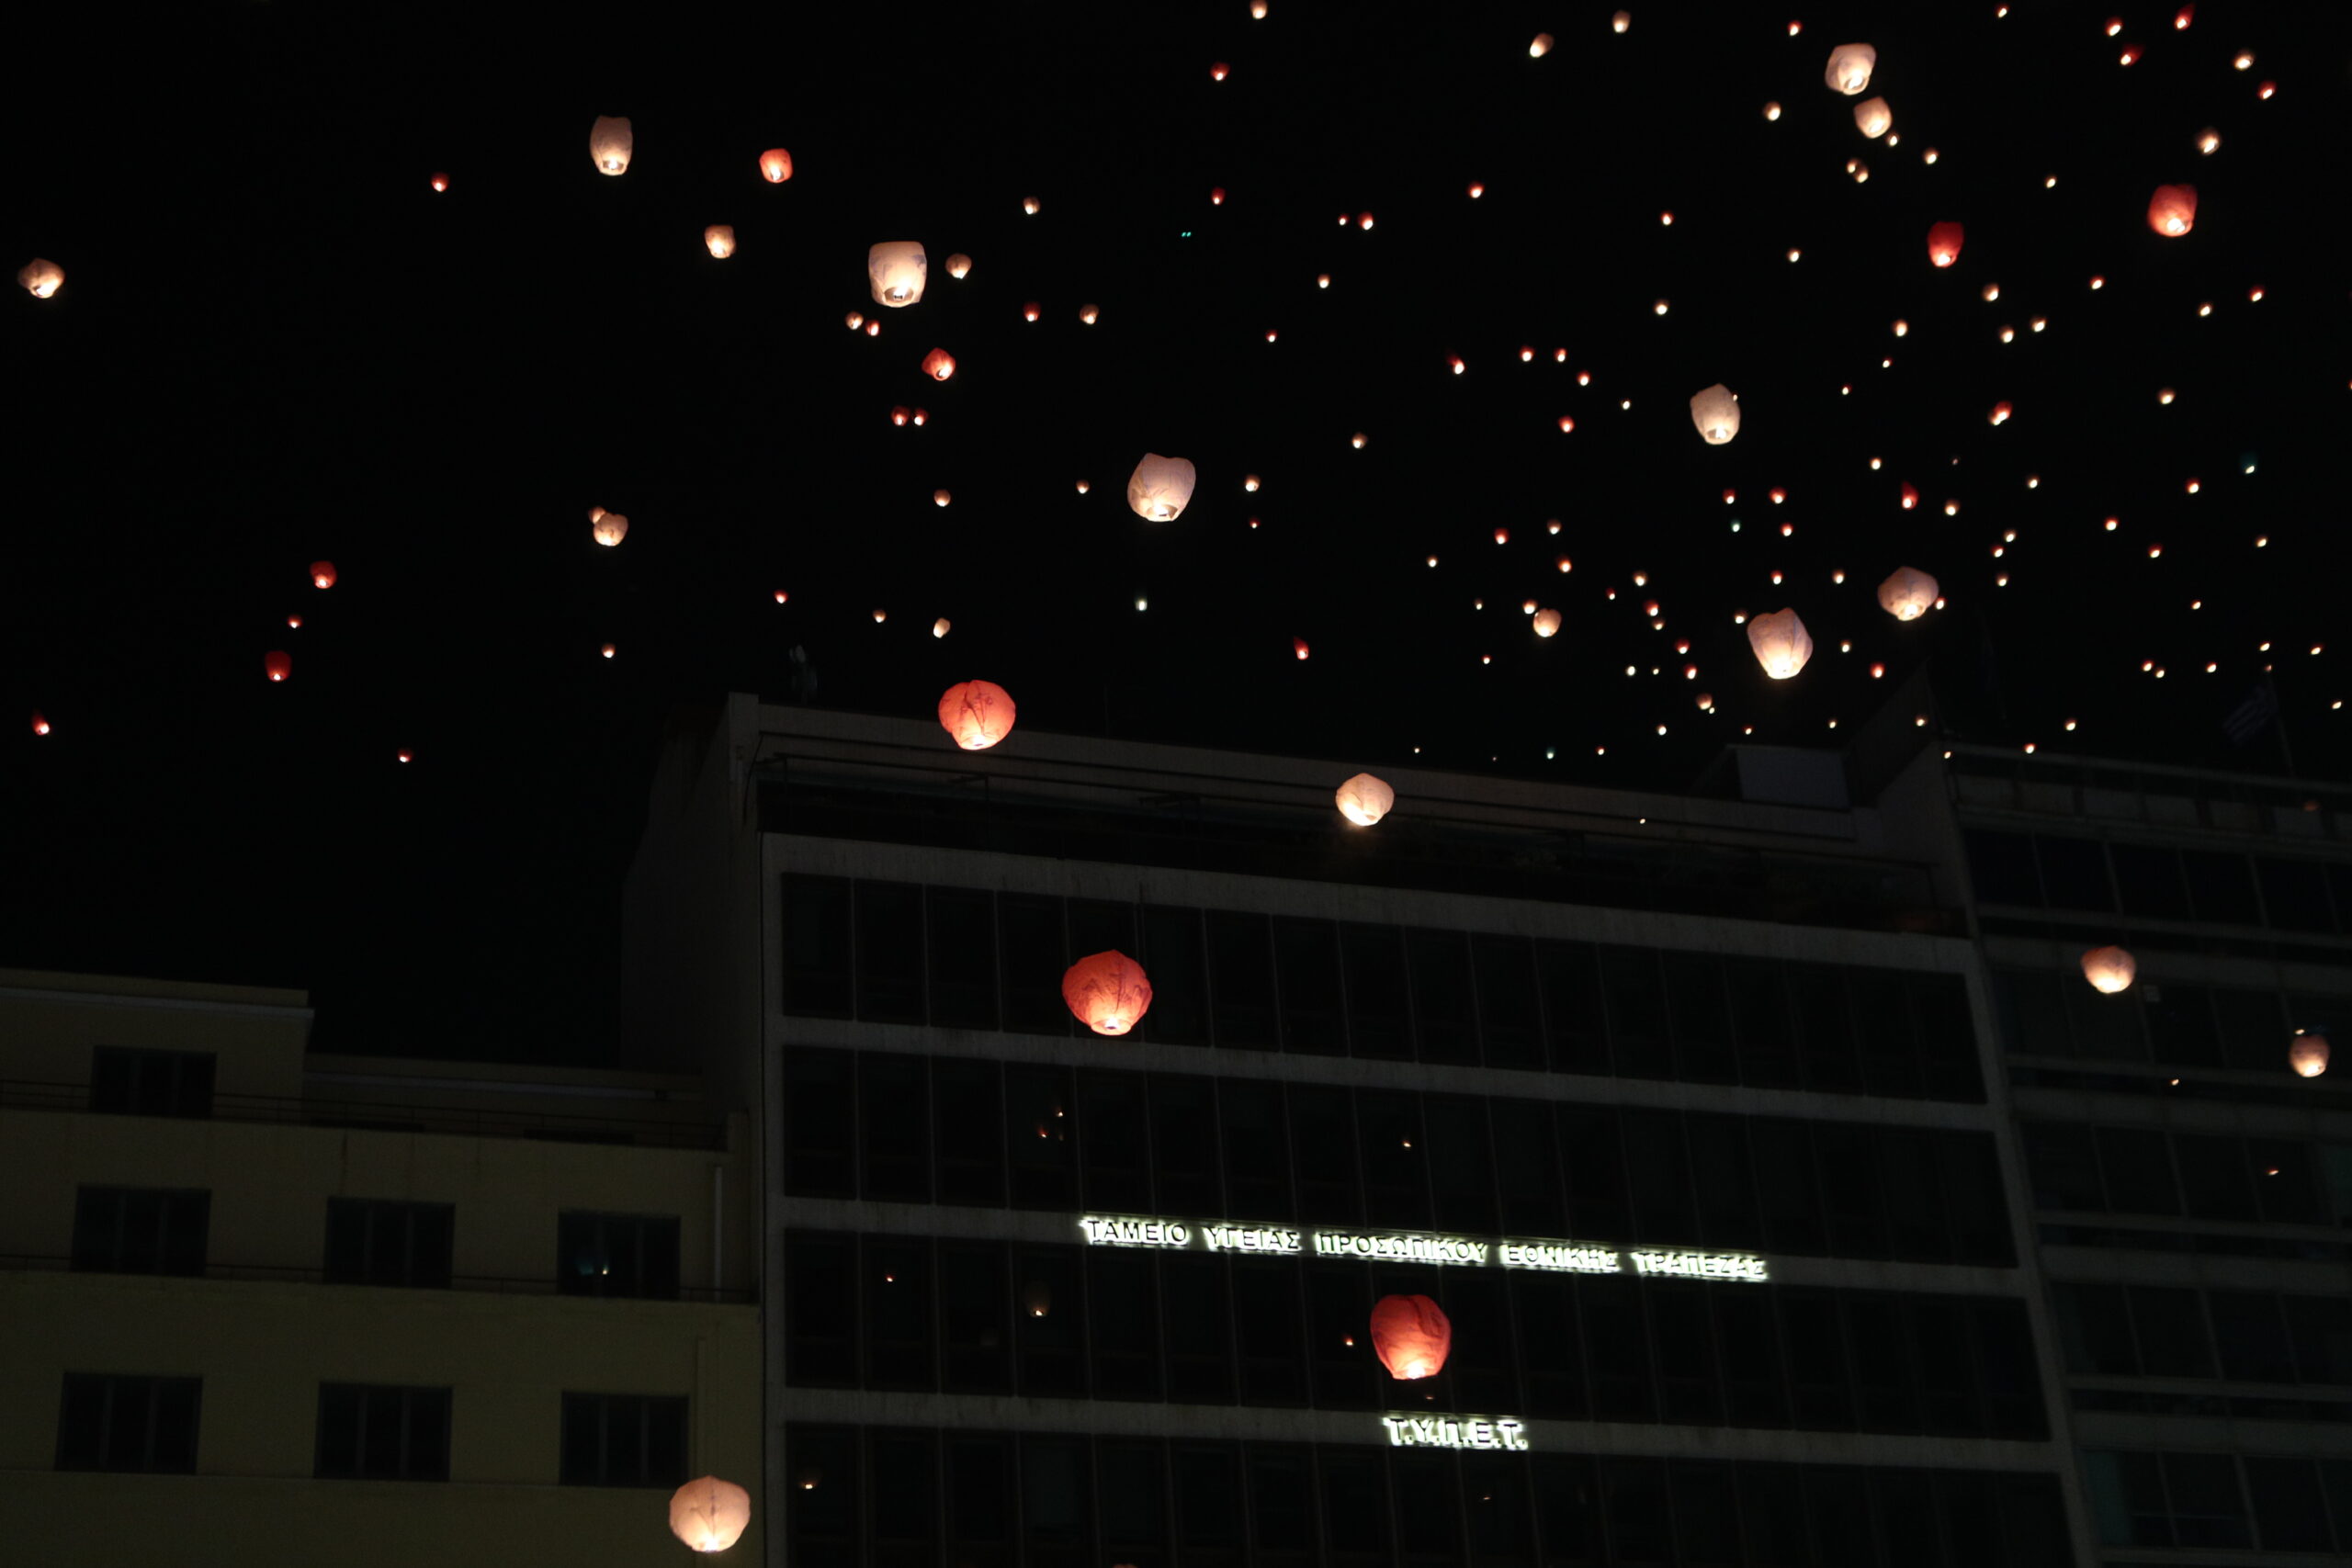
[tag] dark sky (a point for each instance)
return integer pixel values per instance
(276, 343)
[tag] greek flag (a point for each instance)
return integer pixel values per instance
(2252, 716)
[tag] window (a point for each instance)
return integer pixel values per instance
(817, 946)
(2149, 882)
(381, 1242)
(2001, 866)
(369, 1433)
(616, 1254)
(139, 1229)
(1178, 963)
(2220, 889)
(890, 953)
(2073, 874)
(1306, 963)
(109, 1422)
(821, 1123)
(2294, 895)
(1241, 980)
(1380, 1023)
(961, 930)
(624, 1439)
(898, 1132)
(151, 1083)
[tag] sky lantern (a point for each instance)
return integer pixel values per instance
(720, 238)
(1782, 643)
(959, 264)
(440, 181)
(276, 666)
(1621, 21)
(1715, 410)
(1160, 487)
(2172, 212)
(978, 714)
(940, 627)
(1944, 241)
(609, 527)
(939, 364)
(611, 142)
(1089, 313)
(1849, 68)
(1364, 800)
(1411, 1335)
(775, 165)
(1539, 45)
(1107, 991)
(1298, 648)
(2108, 969)
(1907, 595)
(41, 277)
(2307, 1054)
(1872, 118)
(41, 727)
(709, 1515)
(896, 269)
(1547, 623)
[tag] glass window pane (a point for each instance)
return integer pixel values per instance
(889, 952)
(2073, 874)
(1306, 967)
(1380, 1021)
(1442, 1020)
(1175, 957)
(1509, 1025)
(1032, 958)
(1241, 980)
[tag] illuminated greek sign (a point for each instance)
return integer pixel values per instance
(1455, 1432)
(1420, 1246)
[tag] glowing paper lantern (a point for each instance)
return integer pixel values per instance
(959, 264)
(1872, 118)
(1782, 643)
(2108, 969)
(1160, 487)
(2172, 212)
(1298, 648)
(1849, 68)
(720, 238)
(978, 714)
(939, 364)
(1621, 21)
(1908, 594)
(610, 143)
(40, 278)
(1715, 410)
(440, 180)
(1540, 46)
(896, 269)
(939, 626)
(322, 574)
(610, 528)
(1411, 1335)
(709, 1515)
(1108, 992)
(278, 666)
(775, 165)
(1944, 241)
(1364, 800)
(2307, 1056)
(1547, 623)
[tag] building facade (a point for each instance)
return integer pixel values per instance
(2191, 1194)
(260, 1306)
(1686, 1111)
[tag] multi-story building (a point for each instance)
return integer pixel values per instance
(2192, 1195)
(1686, 1111)
(262, 1305)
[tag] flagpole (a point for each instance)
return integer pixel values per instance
(2278, 720)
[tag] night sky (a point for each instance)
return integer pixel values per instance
(277, 343)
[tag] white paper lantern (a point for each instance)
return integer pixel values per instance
(720, 238)
(1160, 487)
(2308, 1056)
(2108, 969)
(610, 143)
(1849, 68)
(1547, 623)
(896, 268)
(1907, 595)
(1364, 800)
(1782, 643)
(41, 277)
(709, 1515)
(1715, 411)
(1872, 118)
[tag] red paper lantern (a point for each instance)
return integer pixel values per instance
(1108, 992)
(40, 725)
(1297, 644)
(440, 182)
(322, 574)
(1411, 1335)
(775, 165)
(978, 714)
(939, 364)
(2172, 212)
(278, 666)
(1944, 241)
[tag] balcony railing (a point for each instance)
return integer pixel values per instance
(390, 1116)
(543, 1285)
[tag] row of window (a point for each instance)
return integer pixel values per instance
(953, 1130)
(365, 1432)
(1105, 1323)
(2152, 881)
(871, 1498)
(2180, 1025)
(134, 1082)
(2199, 1176)
(141, 1230)
(966, 958)
(2248, 1501)
(2162, 1331)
